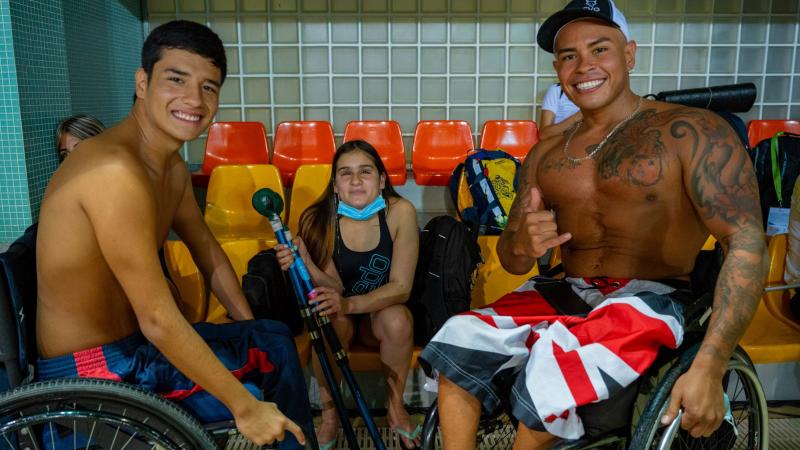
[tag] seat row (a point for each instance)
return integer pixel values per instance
(758, 130)
(438, 146)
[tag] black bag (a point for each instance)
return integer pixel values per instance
(787, 162)
(448, 259)
(269, 293)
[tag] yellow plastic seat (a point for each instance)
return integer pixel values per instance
(187, 279)
(229, 210)
(240, 252)
(493, 281)
(310, 182)
(773, 336)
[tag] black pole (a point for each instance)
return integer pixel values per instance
(269, 204)
(317, 341)
(300, 271)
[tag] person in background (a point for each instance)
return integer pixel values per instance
(73, 130)
(360, 242)
(558, 112)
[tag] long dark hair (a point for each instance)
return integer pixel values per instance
(318, 222)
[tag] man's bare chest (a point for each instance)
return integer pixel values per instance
(631, 171)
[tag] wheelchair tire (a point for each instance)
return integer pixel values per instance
(494, 431)
(95, 414)
(748, 407)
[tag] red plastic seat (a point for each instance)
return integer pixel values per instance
(232, 143)
(439, 146)
(758, 130)
(386, 137)
(515, 137)
(302, 142)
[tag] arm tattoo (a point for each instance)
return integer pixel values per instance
(722, 184)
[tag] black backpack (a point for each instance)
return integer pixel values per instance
(787, 163)
(448, 259)
(269, 293)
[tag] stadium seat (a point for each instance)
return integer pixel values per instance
(493, 281)
(232, 143)
(439, 146)
(239, 253)
(386, 137)
(229, 210)
(188, 279)
(309, 183)
(301, 142)
(368, 359)
(758, 130)
(515, 137)
(773, 336)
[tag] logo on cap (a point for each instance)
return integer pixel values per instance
(591, 5)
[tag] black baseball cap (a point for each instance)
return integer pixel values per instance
(578, 9)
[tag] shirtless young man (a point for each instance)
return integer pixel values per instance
(102, 294)
(630, 194)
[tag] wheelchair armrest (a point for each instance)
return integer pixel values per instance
(9, 344)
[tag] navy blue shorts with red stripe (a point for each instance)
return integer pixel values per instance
(260, 353)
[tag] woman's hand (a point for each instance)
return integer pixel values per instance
(328, 301)
(286, 256)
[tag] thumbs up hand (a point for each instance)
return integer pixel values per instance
(538, 231)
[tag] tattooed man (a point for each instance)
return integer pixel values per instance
(630, 194)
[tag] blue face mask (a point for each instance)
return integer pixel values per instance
(361, 214)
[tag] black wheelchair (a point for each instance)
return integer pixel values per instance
(649, 396)
(78, 413)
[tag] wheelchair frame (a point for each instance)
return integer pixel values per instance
(105, 413)
(645, 431)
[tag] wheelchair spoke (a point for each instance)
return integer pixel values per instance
(52, 433)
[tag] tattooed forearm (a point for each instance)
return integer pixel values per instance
(737, 293)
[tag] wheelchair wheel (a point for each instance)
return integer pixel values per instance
(494, 431)
(748, 429)
(95, 414)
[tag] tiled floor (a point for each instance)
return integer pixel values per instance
(784, 434)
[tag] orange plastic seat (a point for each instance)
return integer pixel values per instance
(301, 142)
(232, 143)
(758, 130)
(515, 137)
(439, 146)
(368, 359)
(310, 182)
(773, 335)
(188, 280)
(386, 137)
(229, 209)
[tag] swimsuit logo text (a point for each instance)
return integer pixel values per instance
(373, 275)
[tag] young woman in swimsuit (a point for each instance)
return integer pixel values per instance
(360, 241)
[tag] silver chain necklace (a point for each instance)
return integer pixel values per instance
(573, 159)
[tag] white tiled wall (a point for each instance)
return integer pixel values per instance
(409, 60)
